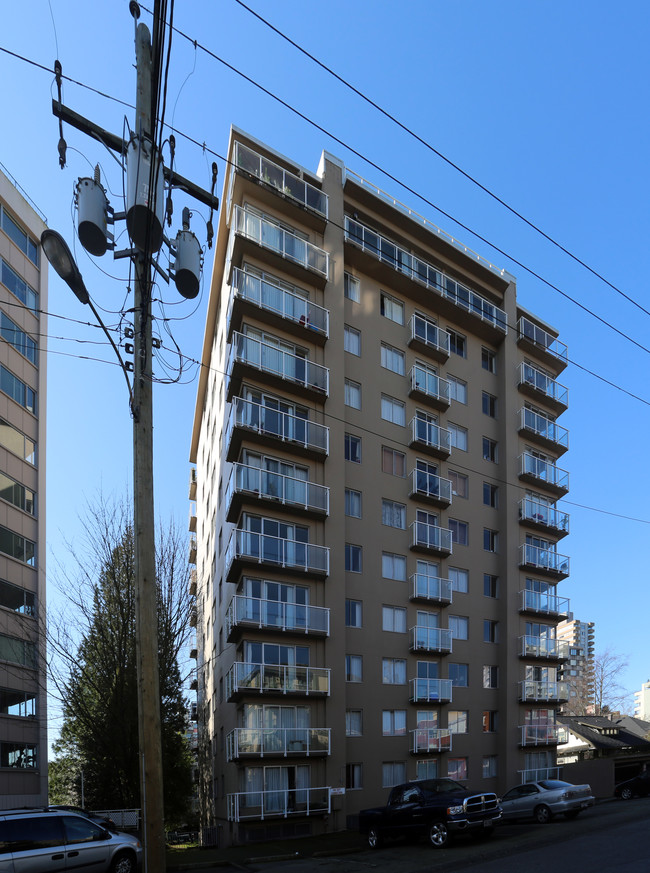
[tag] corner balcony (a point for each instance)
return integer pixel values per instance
(430, 538)
(538, 385)
(547, 692)
(192, 551)
(428, 338)
(246, 548)
(430, 438)
(279, 307)
(538, 735)
(284, 370)
(430, 488)
(274, 679)
(543, 560)
(430, 639)
(277, 742)
(192, 487)
(542, 648)
(192, 583)
(543, 517)
(536, 471)
(274, 490)
(431, 589)
(271, 427)
(543, 430)
(284, 250)
(428, 741)
(279, 803)
(541, 343)
(247, 613)
(429, 388)
(541, 603)
(430, 690)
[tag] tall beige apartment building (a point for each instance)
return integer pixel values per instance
(377, 539)
(23, 303)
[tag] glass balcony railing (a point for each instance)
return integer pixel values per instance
(542, 647)
(425, 382)
(282, 180)
(531, 689)
(540, 381)
(276, 551)
(275, 615)
(429, 334)
(269, 485)
(270, 359)
(277, 678)
(543, 471)
(271, 422)
(539, 774)
(278, 803)
(431, 486)
(425, 740)
(543, 559)
(431, 588)
(261, 742)
(430, 639)
(543, 427)
(432, 436)
(430, 536)
(272, 236)
(430, 690)
(538, 734)
(542, 339)
(544, 603)
(542, 513)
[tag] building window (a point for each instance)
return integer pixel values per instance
(353, 613)
(490, 721)
(457, 436)
(393, 566)
(16, 493)
(489, 766)
(17, 442)
(393, 410)
(352, 394)
(459, 484)
(457, 343)
(457, 769)
(490, 495)
(392, 308)
(489, 360)
(490, 631)
(352, 503)
(21, 704)
(393, 671)
(393, 619)
(352, 448)
(352, 340)
(426, 769)
(392, 359)
(459, 627)
(17, 390)
(20, 237)
(393, 514)
(490, 585)
(457, 721)
(17, 547)
(459, 532)
(353, 668)
(353, 722)
(393, 462)
(393, 773)
(459, 579)
(351, 288)
(353, 777)
(18, 755)
(17, 651)
(490, 450)
(489, 404)
(352, 558)
(17, 599)
(19, 288)
(17, 338)
(459, 675)
(457, 389)
(393, 722)
(490, 676)
(490, 540)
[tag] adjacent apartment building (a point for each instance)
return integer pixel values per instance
(23, 302)
(578, 669)
(378, 543)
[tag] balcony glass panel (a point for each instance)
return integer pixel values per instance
(544, 427)
(430, 588)
(270, 359)
(277, 615)
(542, 513)
(544, 559)
(540, 381)
(278, 803)
(543, 339)
(428, 383)
(277, 741)
(529, 465)
(272, 236)
(429, 434)
(430, 740)
(272, 298)
(543, 647)
(430, 485)
(541, 773)
(432, 639)
(274, 486)
(430, 536)
(531, 689)
(274, 550)
(246, 676)
(550, 604)
(430, 690)
(538, 734)
(430, 334)
(273, 422)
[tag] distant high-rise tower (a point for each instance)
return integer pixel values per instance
(642, 702)
(578, 670)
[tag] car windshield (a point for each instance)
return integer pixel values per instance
(441, 786)
(550, 784)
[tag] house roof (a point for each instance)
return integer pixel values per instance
(613, 734)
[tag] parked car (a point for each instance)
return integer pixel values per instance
(102, 820)
(639, 786)
(544, 799)
(47, 839)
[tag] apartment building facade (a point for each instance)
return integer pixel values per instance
(642, 702)
(377, 536)
(23, 303)
(578, 669)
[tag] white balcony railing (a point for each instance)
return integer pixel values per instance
(431, 435)
(542, 339)
(425, 740)
(277, 679)
(270, 359)
(430, 690)
(429, 334)
(430, 536)
(287, 490)
(433, 588)
(540, 381)
(543, 427)
(531, 689)
(430, 639)
(543, 559)
(285, 742)
(425, 382)
(543, 647)
(538, 734)
(542, 513)
(543, 471)
(544, 603)
(270, 422)
(275, 615)
(278, 803)
(277, 551)
(431, 486)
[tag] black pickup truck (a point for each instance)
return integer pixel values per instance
(435, 808)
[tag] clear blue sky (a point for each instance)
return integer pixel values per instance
(544, 102)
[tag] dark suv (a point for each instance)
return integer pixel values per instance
(33, 840)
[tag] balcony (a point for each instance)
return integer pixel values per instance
(425, 385)
(548, 692)
(279, 803)
(273, 679)
(538, 735)
(191, 522)
(192, 551)
(483, 317)
(427, 337)
(245, 613)
(273, 489)
(542, 516)
(430, 639)
(430, 438)
(430, 690)
(541, 343)
(430, 488)
(430, 741)
(430, 588)
(537, 471)
(542, 603)
(194, 616)
(192, 583)
(268, 426)
(277, 742)
(249, 548)
(543, 560)
(538, 775)
(278, 368)
(543, 430)
(193, 649)
(543, 648)
(430, 538)
(540, 386)
(281, 308)
(192, 488)
(285, 250)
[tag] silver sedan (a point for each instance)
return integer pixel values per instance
(544, 799)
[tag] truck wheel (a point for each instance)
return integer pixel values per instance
(374, 838)
(438, 834)
(542, 814)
